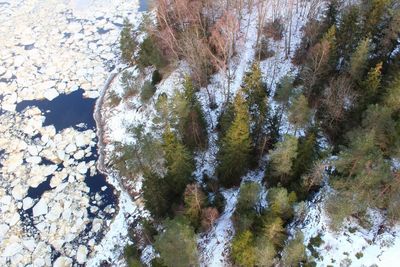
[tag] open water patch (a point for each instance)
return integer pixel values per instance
(66, 110)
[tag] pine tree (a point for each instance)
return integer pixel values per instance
(349, 31)
(248, 197)
(156, 194)
(281, 202)
(371, 85)
(378, 120)
(243, 252)
(274, 231)
(359, 59)
(194, 125)
(295, 251)
(264, 252)
(235, 146)
(177, 239)
(284, 90)
(127, 42)
(256, 96)
(282, 157)
(245, 212)
(392, 96)
(299, 112)
(194, 199)
(149, 54)
(307, 154)
(178, 162)
(374, 14)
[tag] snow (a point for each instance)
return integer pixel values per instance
(377, 246)
(214, 245)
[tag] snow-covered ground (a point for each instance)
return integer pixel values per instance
(51, 48)
(353, 244)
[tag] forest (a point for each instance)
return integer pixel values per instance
(333, 120)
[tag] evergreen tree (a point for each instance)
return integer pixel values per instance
(194, 125)
(392, 96)
(307, 153)
(256, 96)
(150, 55)
(349, 31)
(194, 199)
(274, 231)
(127, 43)
(177, 239)
(156, 194)
(371, 86)
(295, 251)
(243, 252)
(235, 146)
(378, 120)
(264, 252)
(284, 90)
(282, 157)
(375, 10)
(245, 212)
(299, 112)
(281, 202)
(359, 59)
(178, 162)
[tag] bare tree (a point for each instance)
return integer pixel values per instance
(339, 97)
(223, 38)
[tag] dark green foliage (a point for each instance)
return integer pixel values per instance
(359, 255)
(193, 125)
(129, 84)
(147, 91)
(145, 155)
(161, 192)
(315, 242)
(284, 90)
(392, 96)
(127, 42)
(156, 194)
(178, 162)
(226, 119)
(248, 197)
(349, 30)
(156, 77)
(245, 212)
(150, 55)
(132, 256)
(256, 93)
(235, 147)
(114, 99)
(307, 153)
(177, 244)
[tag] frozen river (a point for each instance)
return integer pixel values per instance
(55, 57)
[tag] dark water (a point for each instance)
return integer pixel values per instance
(69, 110)
(65, 110)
